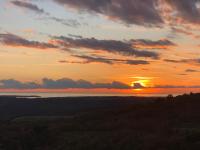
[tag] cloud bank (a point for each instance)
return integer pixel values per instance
(64, 83)
(67, 83)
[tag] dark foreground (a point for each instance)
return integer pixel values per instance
(113, 123)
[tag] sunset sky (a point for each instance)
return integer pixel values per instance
(150, 46)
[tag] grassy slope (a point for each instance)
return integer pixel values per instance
(172, 124)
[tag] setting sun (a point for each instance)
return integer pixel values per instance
(141, 82)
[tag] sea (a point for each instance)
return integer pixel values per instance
(52, 94)
(141, 93)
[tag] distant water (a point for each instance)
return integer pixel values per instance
(48, 95)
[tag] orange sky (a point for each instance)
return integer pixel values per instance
(153, 48)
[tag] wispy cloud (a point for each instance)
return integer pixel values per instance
(14, 40)
(100, 59)
(29, 6)
(188, 61)
(159, 44)
(175, 30)
(191, 70)
(195, 61)
(47, 16)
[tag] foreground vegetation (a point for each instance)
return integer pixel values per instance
(164, 124)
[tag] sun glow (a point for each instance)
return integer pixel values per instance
(141, 83)
(144, 83)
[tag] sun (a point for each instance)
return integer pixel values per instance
(140, 82)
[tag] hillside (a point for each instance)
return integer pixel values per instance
(162, 124)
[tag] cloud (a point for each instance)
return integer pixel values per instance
(187, 10)
(36, 9)
(68, 22)
(99, 59)
(90, 59)
(141, 12)
(188, 61)
(175, 30)
(183, 74)
(73, 62)
(14, 40)
(29, 6)
(174, 61)
(191, 70)
(14, 84)
(138, 86)
(136, 62)
(130, 11)
(112, 46)
(64, 83)
(159, 44)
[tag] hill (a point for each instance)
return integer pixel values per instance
(171, 123)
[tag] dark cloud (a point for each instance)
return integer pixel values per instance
(75, 36)
(188, 10)
(29, 6)
(68, 22)
(91, 59)
(64, 83)
(137, 62)
(191, 70)
(141, 12)
(187, 32)
(173, 61)
(36, 9)
(183, 74)
(137, 86)
(111, 46)
(163, 44)
(14, 84)
(129, 11)
(14, 40)
(73, 62)
(189, 61)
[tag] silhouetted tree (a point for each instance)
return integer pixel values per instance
(170, 97)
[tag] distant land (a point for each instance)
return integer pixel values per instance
(88, 123)
(19, 106)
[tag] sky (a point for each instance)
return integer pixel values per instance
(123, 46)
